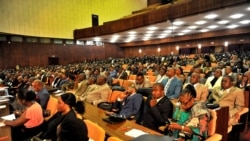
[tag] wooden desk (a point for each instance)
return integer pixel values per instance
(96, 114)
(6, 130)
(222, 122)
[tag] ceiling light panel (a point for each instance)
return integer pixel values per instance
(211, 16)
(212, 26)
(178, 23)
(200, 22)
(192, 27)
(245, 22)
(223, 22)
(152, 28)
(232, 26)
(236, 16)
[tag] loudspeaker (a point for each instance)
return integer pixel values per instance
(95, 21)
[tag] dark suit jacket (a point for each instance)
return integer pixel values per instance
(174, 88)
(132, 105)
(157, 116)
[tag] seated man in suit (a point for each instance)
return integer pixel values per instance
(172, 85)
(100, 93)
(158, 108)
(81, 84)
(228, 95)
(128, 104)
(215, 80)
(228, 71)
(141, 81)
(201, 90)
(42, 94)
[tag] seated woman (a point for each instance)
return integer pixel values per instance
(65, 125)
(31, 120)
(190, 118)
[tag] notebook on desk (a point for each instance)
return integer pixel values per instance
(113, 119)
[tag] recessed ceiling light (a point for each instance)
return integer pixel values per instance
(186, 31)
(114, 38)
(211, 16)
(223, 22)
(236, 16)
(192, 27)
(130, 39)
(180, 34)
(150, 31)
(148, 35)
(132, 32)
(204, 30)
(161, 36)
(232, 26)
(245, 22)
(97, 39)
(178, 23)
(200, 22)
(167, 31)
(152, 28)
(248, 8)
(173, 27)
(145, 38)
(132, 35)
(212, 26)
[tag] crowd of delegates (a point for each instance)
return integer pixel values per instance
(92, 81)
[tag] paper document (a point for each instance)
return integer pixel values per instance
(135, 133)
(9, 117)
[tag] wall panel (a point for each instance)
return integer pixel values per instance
(36, 54)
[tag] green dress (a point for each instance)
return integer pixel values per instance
(195, 118)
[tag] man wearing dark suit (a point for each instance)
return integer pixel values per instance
(172, 85)
(128, 104)
(158, 108)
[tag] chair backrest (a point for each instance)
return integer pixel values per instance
(52, 107)
(212, 123)
(95, 132)
(113, 139)
(132, 77)
(114, 95)
(126, 83)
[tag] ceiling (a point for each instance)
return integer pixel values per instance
(226, 18)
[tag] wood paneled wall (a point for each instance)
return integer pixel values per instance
(36, 54)
(168, 48)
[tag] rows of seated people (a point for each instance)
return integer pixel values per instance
(93, 81)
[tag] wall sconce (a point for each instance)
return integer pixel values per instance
(140, 51)
(199, 46)
(226, 44)
(177, 48)
(159, 49)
